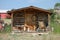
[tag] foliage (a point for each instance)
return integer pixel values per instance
(57, 6)
(7, 28)
(53, 14)
(56, 27)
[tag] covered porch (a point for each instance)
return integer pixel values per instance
(30, 19)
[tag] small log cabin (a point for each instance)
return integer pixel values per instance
(30, 19)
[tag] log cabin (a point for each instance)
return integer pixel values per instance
(30, 19)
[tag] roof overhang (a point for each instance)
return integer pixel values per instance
(30, 8)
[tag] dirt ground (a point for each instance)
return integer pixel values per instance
(29, 36)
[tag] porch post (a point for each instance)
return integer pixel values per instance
(12, 21)
(48, 19)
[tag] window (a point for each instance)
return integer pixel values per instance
(18, 19)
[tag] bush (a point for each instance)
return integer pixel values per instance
(7, 28)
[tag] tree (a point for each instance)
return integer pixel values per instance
(57, 6)
(57, 9)
(53, 14)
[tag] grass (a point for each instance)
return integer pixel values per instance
(56, 27)
(24, 36)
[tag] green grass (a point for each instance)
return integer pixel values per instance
(56, 27)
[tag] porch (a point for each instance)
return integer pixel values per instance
(30, 19)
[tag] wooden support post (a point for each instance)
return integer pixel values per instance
(12, 21)
(48, 20)
(24, 28)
